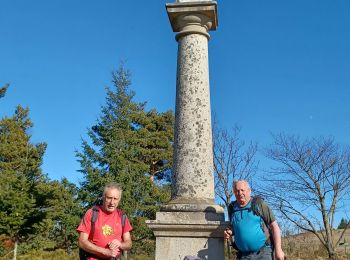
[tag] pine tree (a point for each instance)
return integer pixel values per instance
(63, 211)
(124, 146)
(343, 223)
(20, 162)
(35, 212)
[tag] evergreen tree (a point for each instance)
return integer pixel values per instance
(343, 223)
(20, 172)
(64, 211)
(39, 213)
(126, 145)
(59, 200)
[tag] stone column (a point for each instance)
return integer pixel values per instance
(191, 223)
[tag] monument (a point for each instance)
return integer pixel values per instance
(191, 223)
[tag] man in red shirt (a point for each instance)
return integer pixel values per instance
(110, 238)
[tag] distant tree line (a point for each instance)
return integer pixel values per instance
(344, 223)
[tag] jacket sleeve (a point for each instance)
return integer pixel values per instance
(266, 213)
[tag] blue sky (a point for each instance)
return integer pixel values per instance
(274, 66)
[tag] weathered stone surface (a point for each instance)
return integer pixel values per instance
(188, 217)
(176, 248)
(192, 205)
(188, 233)
(193, 162)
(206, 8)
(191, 223)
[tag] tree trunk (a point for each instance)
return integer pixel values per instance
(331, 254)
(15, 250)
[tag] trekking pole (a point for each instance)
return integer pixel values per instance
(228, 249)
(126, 255)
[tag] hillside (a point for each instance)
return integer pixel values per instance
(306, 246)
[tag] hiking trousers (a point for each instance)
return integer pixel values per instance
(265, 253)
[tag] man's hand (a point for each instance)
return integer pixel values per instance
(115, 247)
(86, 245)
(111, 252)
(115, 243)
(227, 234)
(279, 255)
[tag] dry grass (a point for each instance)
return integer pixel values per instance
(307, 247)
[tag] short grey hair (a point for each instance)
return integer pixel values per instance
(244, 181)
(112, 185)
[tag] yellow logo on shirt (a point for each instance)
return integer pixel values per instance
(107, 230)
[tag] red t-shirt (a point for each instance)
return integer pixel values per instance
(107, 227)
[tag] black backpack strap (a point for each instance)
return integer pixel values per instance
(124, 217)
(230, 211)
(94, 216)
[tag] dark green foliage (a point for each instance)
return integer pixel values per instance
(20, 172)
(35, 212)
(63, 210)
(124, 145)
(343, 223)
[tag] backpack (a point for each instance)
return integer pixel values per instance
(83, 255)
(255, 207)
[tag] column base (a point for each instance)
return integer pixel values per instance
(188, 233)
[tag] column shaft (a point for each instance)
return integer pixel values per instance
(193, 160)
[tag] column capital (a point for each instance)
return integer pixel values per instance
(185, 16)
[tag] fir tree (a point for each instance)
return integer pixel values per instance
(35, 212)
(20, 162)
(124, 146)
(343, 223)
(64, 209)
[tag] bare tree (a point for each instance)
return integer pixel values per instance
(310, 184)
(233, 159)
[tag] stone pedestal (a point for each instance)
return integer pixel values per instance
(188, 233)
(191, 223)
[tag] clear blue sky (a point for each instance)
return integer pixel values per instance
(274, 66)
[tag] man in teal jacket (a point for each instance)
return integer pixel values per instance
(256, 233)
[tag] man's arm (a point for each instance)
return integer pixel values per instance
(87, 246)
(276, 233)
(127, 243)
